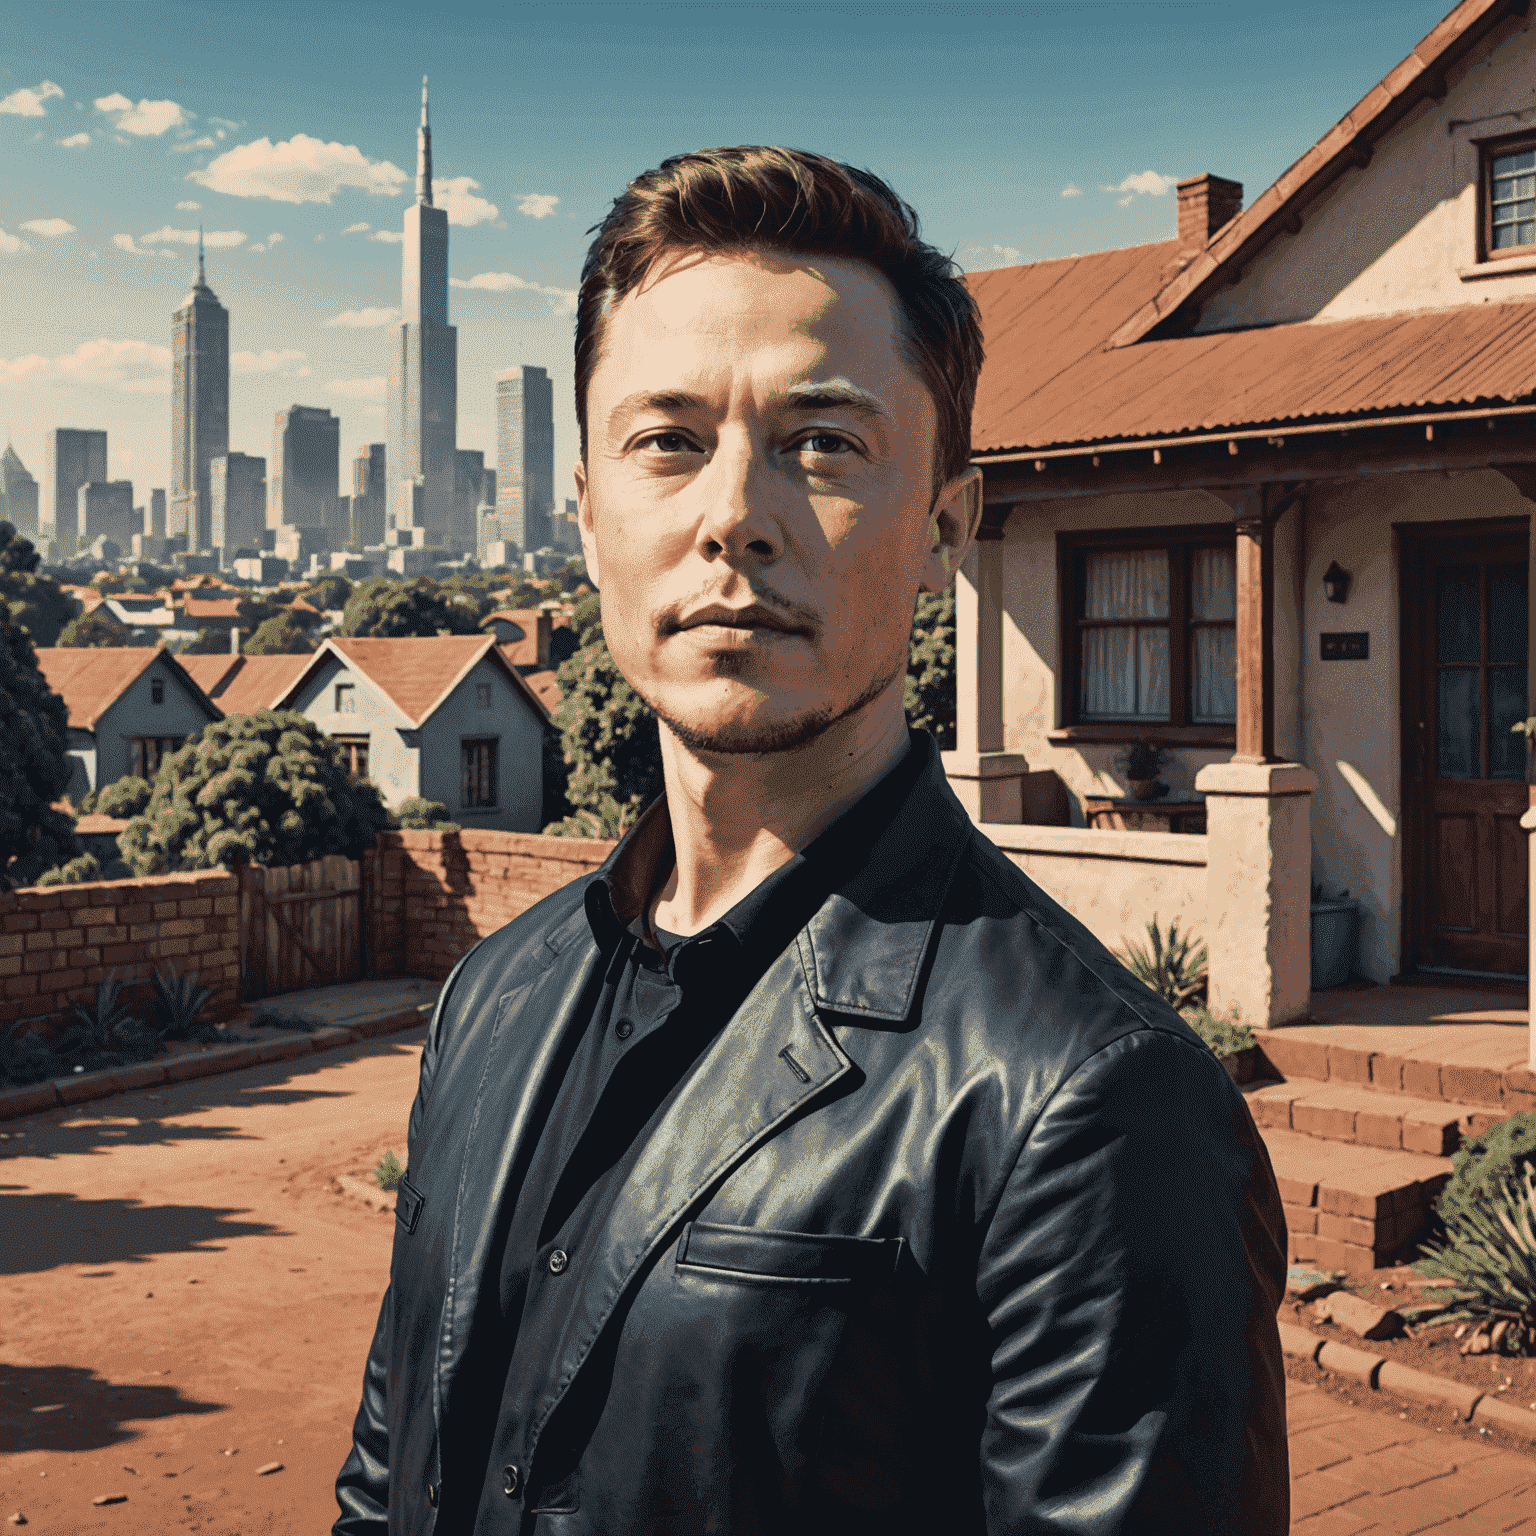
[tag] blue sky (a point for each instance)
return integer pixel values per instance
(287, 125)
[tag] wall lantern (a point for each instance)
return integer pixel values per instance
(1336, 584)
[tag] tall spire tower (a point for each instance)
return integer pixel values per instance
(422, 427)
(199, 406)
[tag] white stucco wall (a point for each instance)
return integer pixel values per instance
(393, 765)
(136, 714)
(1391, 237)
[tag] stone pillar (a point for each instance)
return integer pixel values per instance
(1259, 889)
(986, 778)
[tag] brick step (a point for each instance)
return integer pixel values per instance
(1417, 1071)
(1352, 1113)
(1352, 1207)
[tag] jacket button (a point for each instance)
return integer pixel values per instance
(558, 1260)
(510, 1480)
(432, 1494)
(624, 1029)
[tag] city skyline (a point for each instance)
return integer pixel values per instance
(116, 148)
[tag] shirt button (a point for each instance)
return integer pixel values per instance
(624, 1029)
(510, 1479)
(558, 1260)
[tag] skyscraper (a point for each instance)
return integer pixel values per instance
(423, 375)
(304, 468)
(78, 457)
(237, 484)
(368, 496)
(18, 493)
(525, 457)
(104, 508)
(199, 407)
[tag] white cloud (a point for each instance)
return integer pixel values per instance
(148, 120)
(562, 300)
(388, 237)
(49, 229)
(537, 205)
(1071, 190)
(214, 239)
(188, 207)
(364, 319)
(357, 389)
(268, 243)
(286, 361)
(203, 143)
(135, 367)
(1153, 183)
(125, 243)
(357, 229)
(74, 141)
(10, 245)
(1126, 201)
(457, 195)
(299, 170)
(28, 101)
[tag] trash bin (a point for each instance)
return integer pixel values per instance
(1335, 940)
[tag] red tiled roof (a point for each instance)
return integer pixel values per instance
(212, 607)
(91, 681)
(543, 686)
(300, 605)
(259, 682)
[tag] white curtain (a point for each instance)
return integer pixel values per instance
(1213, 599)
(1125, 667)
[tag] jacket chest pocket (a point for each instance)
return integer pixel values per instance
(762, 1256)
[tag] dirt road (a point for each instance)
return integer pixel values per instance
(181, 1282)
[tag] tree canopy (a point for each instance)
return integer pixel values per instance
(391, 609)
(929, 693)
(35, 767)
(328, 592)
(281, 635)
(37, 604)
(264, 788)
(96, 629)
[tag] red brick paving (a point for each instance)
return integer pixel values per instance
(1355, 1472)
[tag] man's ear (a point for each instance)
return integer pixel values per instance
(584, 526)
(952, 526)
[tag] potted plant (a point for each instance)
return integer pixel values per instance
(1139, 763)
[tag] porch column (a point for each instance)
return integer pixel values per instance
(1523, 478)
(986, 778)
(1258, 810)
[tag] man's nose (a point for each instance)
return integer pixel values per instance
(737, 519)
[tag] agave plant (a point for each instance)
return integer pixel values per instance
(25, 1056)
(1174, 968)
(389, 1172)
(183, 1000)
(106, 1020)
(1489, 1252)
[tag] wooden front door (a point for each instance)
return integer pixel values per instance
(1465, 644)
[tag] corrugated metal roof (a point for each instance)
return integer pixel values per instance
(1050, 380)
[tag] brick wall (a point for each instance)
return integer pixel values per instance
(58, 942)
(433, 895)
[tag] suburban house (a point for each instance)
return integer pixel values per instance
(1260, 496)
(447, 718)
(128, 707)
(240, 685)
(528, 640)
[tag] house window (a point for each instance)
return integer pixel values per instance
(346, 699)
(483, 695)
(157, 690)
(1509, 197)
(479, 781)
(145, 753)
(1150, 627)
(354, 752)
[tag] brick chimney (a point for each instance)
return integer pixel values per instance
(1206, 202)
(543, 629)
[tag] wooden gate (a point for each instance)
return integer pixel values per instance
(301, 926)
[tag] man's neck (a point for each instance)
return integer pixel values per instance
(737, 817)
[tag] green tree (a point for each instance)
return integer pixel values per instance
(96, 629)
(35, 603)
(264, 788)
(929, 692)
(328, 592)
(421, 815)
(381, 607)
(123, 798)
(206, 642)
(35, 766)
(281, 635)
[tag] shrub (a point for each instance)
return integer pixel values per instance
(264, 788)
(122, 798)
(1225, 1035)
(281, 635)
(420, 815)
(928, 695)
(78, 870)
(1174, 968)
(25, 1057)
(106, 1034)
(183, 1001)
(1482, 1161)
(389, 1172)
(94, 630)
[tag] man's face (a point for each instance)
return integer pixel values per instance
(757, 502)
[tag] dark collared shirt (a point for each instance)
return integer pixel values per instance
(654, 1015)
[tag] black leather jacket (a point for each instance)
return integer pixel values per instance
(956, 1228)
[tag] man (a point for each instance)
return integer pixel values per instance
(806, 1169)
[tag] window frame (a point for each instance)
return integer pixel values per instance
(1179, 540)
(494, 773)
(139, 747)
(1488, 150)
(157, 690)
(350, 745)
(347, 689)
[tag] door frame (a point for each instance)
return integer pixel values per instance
(1414, 541)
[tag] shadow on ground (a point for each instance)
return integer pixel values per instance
(70, 1408)
(44, 1231)
(154, 1117)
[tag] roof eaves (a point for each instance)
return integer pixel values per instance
(1244, 237)
(128, 680)
(488, 644)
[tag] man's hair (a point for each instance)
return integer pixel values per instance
(753, 198)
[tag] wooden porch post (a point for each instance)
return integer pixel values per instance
(1255, 629)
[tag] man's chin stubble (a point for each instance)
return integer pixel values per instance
(741, 739)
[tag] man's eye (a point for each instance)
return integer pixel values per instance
(668, 442)
(825, 442)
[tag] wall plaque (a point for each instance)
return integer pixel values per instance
(1342, 646)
